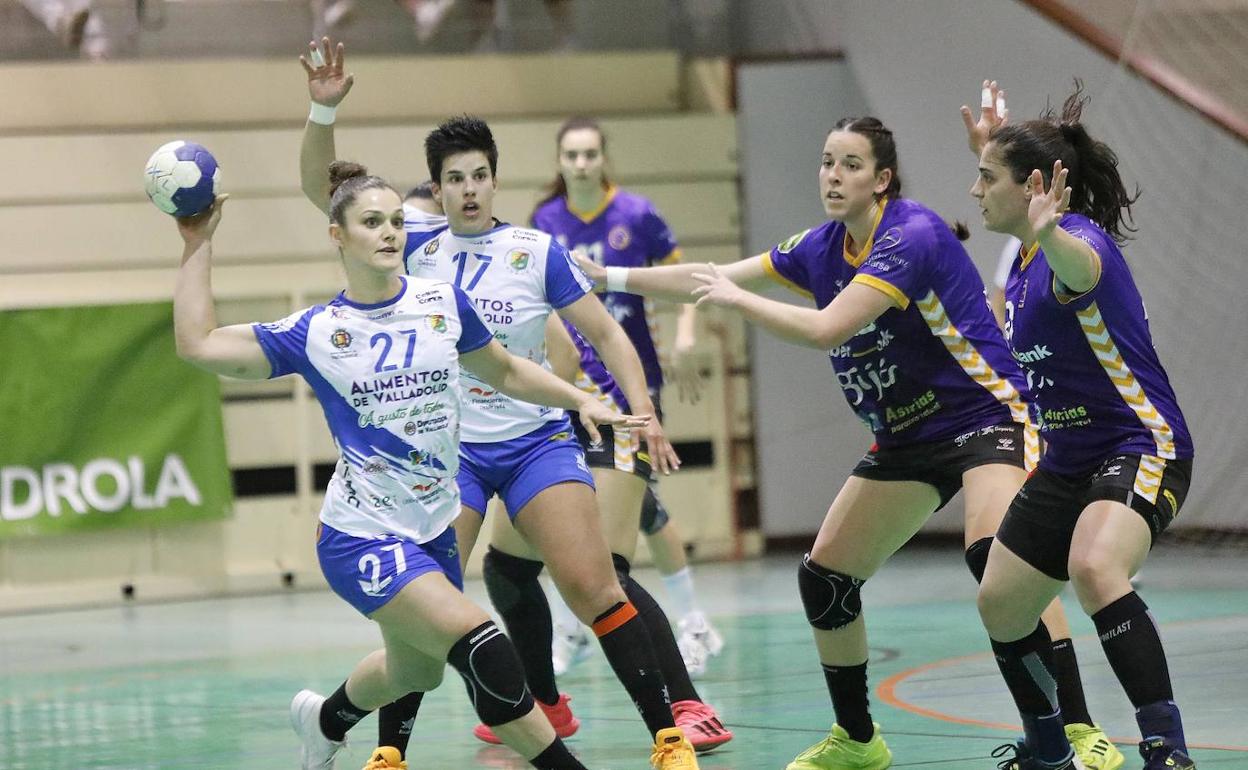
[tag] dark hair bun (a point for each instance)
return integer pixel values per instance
(342, 170)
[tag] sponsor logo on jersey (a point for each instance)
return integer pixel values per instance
(1038, 352)
(527, 235)
(888, 239)
(423, 458)
(338, 313)
(340, 339)
(374, 465)
(431, 247)
(437, 322)
(409, 428)
(482, 392)
(790, 244)
(619, 237)
(518, 259)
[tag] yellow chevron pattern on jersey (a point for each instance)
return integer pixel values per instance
(977, 368)
(625, 439)
(1148, 477)
(1106, 352)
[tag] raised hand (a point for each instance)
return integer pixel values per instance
(1046, 207)
(327, 83)
(199, 228)
(716, 288)
(992, 113)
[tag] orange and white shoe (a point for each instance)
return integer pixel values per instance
(700, 724)
(385, 758)
(560, 716)
(672, 751)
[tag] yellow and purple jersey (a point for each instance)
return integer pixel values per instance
(593, 377)
(934, 367)
(624, 231)
(1099, 388)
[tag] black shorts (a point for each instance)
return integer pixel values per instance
(620, 450)
(1041, 521)
(942, 463)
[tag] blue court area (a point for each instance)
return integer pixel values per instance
(206, 684)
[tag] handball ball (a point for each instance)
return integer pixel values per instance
(182, 178)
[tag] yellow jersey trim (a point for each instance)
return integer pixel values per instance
(875, 282)
(1064, 298)
(1028, 255)
(1129, 388)
(775, 275)
(592, 214)
(671, 259)
(857, 259)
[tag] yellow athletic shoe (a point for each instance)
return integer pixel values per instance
(840, 752)
(385, 758)
(1093, 748)
(673, 751)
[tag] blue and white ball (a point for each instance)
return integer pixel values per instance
(182, 178)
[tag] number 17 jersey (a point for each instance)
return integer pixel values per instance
(514, 277)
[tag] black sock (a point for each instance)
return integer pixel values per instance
(848, 687)
(338, 714)
(1134, 650)
(515, 591)
(1027, 666)
(666, 652)
(627, 646)
(395, 720)
(556, 757)
(1069, 683)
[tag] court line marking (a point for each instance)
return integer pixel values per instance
(887, 692)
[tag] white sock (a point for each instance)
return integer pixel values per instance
(564, 618)
(680, 590)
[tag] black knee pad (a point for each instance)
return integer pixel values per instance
(654, 516)
(831, 598)
(977, 557)
(492, 673)
(623, 570)
(509, 578)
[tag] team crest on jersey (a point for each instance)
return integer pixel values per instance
(518, 259)
(340, 339)
(619, 237)
(437, 322)
(791, 243)
(431, 247)
(424, 459)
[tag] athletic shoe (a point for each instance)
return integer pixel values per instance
(700, 724)
(1023, 760)
(568, 648)
(1159, 754)
(698, 642)
(318, 752)
(1095, 750)
(840, 752)
(385, 758)
(672, 751)
(560, 716)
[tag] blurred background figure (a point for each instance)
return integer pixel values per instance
(65, 20)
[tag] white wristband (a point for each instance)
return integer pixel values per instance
(322, 114)
(617, 278)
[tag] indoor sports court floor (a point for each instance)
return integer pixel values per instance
(206, 684)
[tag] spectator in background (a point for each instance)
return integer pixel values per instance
(67, 21)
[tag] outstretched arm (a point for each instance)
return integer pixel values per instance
(229, 350)
(328, 86)
(855, 307)
(522, 379)
(674, 283)
(1074, 262)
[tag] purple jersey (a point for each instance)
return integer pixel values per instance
(625, 231)
(1099, 387)
(936, 366)
(593, 376)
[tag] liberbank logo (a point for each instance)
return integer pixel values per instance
(102, 485)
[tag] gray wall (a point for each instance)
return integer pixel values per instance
(914, 63)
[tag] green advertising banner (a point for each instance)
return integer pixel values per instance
(102, 425)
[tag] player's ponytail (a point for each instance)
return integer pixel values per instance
(558, 187)
(346, 181)
(1096, 187)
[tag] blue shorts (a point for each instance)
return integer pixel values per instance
(370, 571)
(519, 468)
